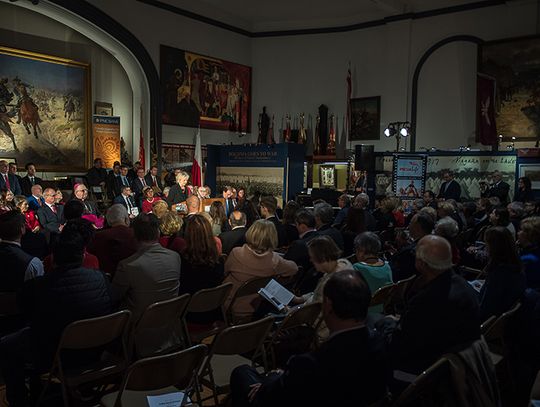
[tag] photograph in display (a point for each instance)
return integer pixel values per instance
(267, 180)
(531, 171)
(44, 110)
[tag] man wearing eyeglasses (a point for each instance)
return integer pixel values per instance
(50, 215)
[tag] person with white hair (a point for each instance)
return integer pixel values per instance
(115, 243)
(442, 310)
(449, 229)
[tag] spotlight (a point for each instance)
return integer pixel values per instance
(405, 129)
(390, 131)
(398, 130)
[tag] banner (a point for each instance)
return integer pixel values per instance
(486, 129)
(106, 139)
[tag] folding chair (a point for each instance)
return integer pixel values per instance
(425, 384)
(85, 335)
(304, 316)
(208, 299)
(160, 329)
(249, 288)
(395, 301)
(382, 295)
(226, 350)
(158, 375)
(495, 336)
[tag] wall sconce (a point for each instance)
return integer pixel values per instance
(398, 130)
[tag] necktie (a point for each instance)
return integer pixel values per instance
(7, 182)
(53, 208)
(128, 203)
(32, 180)
(143, 182)
(154, 183)
(124, 181)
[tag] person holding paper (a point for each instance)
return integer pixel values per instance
(255, 259)
(349, 369)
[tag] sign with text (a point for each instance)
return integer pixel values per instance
(106, 139)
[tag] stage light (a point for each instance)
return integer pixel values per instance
(398, 130)
(405, 129)
(390, 131)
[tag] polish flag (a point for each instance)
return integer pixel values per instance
(196, 168)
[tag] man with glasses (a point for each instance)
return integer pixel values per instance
(50, 215)
(127, 201)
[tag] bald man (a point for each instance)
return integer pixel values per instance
(442, 310)
(193, 204)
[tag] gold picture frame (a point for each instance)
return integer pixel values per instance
(103, 109)
(49, 106)
(327, 176)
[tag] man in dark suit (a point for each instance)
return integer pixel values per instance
(153, 179)
(12, 168)
(450, 188)
(298, 250)
(127, 200)
(116, 243)
(50, 215)
(137, 185)
(235, 237)
(349, 369)
(30, 179)
(324, 217)
(132, 173)
(403, 262)
(230, 202)
(429, 199)
(442, 311)
(97, 175)
(499, 188)
(268, 206)
(111, 181)
(8, 180)
(122, 180)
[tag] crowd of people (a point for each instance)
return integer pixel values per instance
(66, 262)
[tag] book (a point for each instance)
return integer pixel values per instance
(276, 294)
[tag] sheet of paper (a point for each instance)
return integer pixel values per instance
(166, 400)
(280, 293)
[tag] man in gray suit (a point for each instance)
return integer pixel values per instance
(151, 274)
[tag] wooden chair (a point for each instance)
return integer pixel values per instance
(249, 288)
(382, 295)
(84, 335)
(303, 316)
(226, 350)
(160, 329)
(208, 299)
(425, 384)
(396, 299)
(158, 375)
(495, 336)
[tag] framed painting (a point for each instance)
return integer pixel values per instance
(365, 118)
(531, 171)
(201, 90)
(515, 65)
(103, 109)
(44, 110)
(327, 176)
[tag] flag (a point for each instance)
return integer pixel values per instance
(342, 144)
(196, 168)
(347, 126)
(486, 129)
(141, 143)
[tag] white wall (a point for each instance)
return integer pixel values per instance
(297, 74)
(153, 26)
(25, 29)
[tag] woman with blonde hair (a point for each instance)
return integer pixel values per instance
(160, 208)
(180, 191)
(256, 258)
(169, 226)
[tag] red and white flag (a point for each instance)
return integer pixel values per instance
(486, 129)
(347, 128)
(196, 168)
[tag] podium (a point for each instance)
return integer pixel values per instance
(206, 203)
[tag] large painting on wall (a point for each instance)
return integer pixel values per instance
(365, 118)
(44, 110)
(200, 90)
(515, 65)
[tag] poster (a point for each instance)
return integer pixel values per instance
(409, 178)
(106, 139)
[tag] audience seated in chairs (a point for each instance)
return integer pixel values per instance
(324, 217)
(441, 311)
(375, 271)
(255, 259)
(170, 225)
(504, 280)
(349, 369)
(236, 236)
(115, 243)
(148, 199)
(34, 241)
(69, 293)
(151, 274)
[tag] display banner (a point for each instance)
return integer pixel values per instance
(409, 178)
(106, 138)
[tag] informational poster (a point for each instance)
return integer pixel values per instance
(409, 178)
(106, 139)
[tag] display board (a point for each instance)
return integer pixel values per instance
(268, 169)
(106, 139)
(409, 177)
